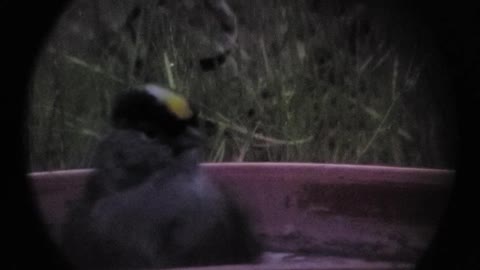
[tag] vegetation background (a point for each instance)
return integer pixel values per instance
(307, 81)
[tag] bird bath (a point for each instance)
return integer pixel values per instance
(309, 215)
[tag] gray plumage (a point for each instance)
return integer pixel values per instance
(148, 205)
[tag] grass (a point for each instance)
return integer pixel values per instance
(293, 90)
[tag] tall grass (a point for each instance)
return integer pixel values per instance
(300, 86)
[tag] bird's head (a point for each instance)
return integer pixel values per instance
(160, 114)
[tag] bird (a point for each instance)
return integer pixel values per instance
(147, 203)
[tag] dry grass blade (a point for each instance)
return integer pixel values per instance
(266, 139)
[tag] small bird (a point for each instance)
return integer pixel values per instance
(147, 204)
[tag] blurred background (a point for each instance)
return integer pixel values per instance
(275, 80)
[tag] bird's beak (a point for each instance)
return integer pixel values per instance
(191, 138)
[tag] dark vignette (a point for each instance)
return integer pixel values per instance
(25, 26)
(457, 36)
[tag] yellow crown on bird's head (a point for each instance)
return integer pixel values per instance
(175, 103)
